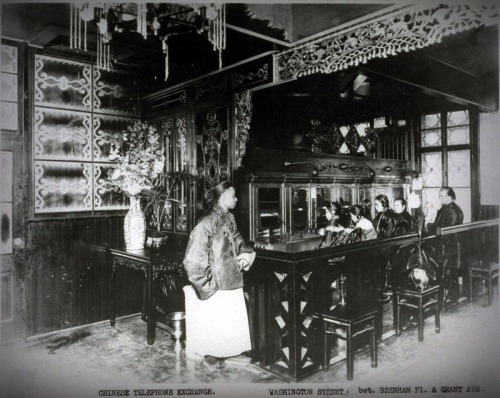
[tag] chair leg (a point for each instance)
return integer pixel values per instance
(373, 350)
(490, 290)
(470, 286)
(420, 320)
(398, 316)
(437, 320)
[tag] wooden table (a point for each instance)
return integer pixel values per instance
(152, 262)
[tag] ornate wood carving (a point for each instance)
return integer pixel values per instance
(62, 83)
(207, 89)
(412, 28)
(62, 187)
(261, 75)
(115, 92)
(243, 114)
(212, 138)
(62, 135)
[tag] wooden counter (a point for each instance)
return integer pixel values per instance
(285, 284)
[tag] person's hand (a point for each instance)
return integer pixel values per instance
(244, 264)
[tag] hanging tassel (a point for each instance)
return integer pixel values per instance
(142, 25)
(165, 51)
(72, 10)
(78, 28)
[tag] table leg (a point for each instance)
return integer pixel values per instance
(349, 353)
(150, 304)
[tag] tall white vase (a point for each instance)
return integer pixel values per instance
(135, 226)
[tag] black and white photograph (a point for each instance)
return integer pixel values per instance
(275, 198)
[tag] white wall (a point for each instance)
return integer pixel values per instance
(489, 152)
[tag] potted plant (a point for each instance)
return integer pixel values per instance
(138, 162)
(157, 199)
(421, 265)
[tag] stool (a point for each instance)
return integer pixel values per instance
(420, 300)
(354, 321)
(486, 273)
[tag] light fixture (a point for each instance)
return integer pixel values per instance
(160, 20)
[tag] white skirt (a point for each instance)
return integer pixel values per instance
(217, 326)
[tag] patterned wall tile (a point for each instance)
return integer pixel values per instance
(62, 83)
(62, 135)
(62, 187)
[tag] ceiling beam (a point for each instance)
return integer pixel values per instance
(432, 91)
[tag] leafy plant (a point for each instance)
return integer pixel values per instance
(162, 191)
(421, 255)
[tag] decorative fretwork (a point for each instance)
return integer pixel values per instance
(179, 97)
(62, 187)
(182, 156)
(213, 147)
(409, 29)
(262, 74)
(243, 118)
(282, 317)
(104, 127)
(115, 92)
(9, 59)
(62, 135)
(209, 88)
(62, 83)
(106, 196)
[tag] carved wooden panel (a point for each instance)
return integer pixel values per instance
(62, 83)
(114, 92)
(105, 197)
(104, 127)
(62, 187)
(212, 144)
(62, 135)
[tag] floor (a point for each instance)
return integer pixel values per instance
(99, 360)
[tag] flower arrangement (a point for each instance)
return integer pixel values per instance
(139, 159)
(140, 170)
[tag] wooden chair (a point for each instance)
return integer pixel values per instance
(353, 321)
(481, 271)
(420, 301)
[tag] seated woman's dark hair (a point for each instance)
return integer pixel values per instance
(212, 195)
(357, 211)
(403, 202)
(384, 200)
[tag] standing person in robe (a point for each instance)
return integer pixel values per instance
(216, 257)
